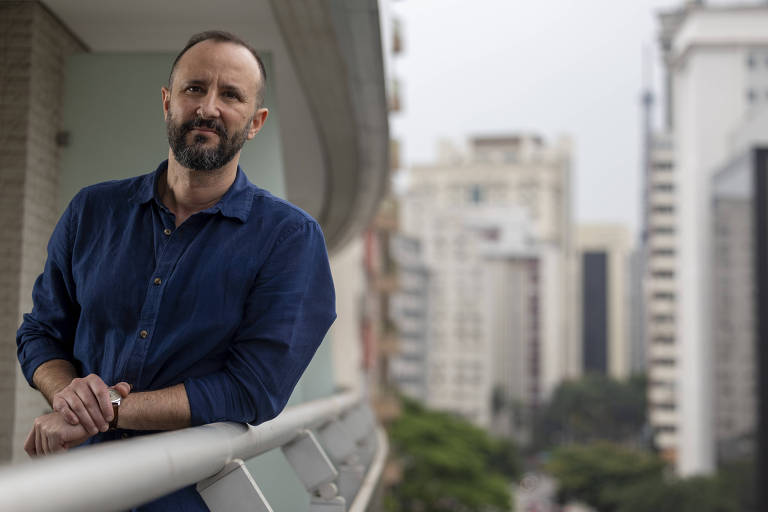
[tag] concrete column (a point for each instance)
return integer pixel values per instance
(33, 49)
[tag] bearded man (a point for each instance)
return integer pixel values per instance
(185, 296)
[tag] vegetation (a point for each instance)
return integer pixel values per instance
(597, 473)
(593, 408)
(613, 478)
(449, 464)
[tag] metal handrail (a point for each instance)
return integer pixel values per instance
(125, 474)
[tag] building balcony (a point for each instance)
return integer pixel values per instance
(333, 446)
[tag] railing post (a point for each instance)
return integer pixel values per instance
(316, 472)
(348, 444)
(233, 490)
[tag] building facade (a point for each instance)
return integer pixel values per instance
(715, 79)
(462, 209)
(603, 252)
(660, 295)
(409, 311)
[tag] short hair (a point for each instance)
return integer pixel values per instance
(221, 36)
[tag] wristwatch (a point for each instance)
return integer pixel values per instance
(114, 397)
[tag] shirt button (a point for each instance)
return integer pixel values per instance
(143, 333)
(167, 231)
(158, 280)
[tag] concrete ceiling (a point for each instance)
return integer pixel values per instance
(109, 25)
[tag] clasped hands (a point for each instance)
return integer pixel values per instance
(80, 410)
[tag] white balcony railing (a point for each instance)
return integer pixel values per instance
(333, 445)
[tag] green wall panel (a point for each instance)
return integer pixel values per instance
(112, 113)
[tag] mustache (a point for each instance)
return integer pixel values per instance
(208, 124)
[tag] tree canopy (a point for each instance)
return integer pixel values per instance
(592, 408)
(613, 478)
(449, 464)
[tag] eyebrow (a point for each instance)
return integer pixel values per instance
(226, 87)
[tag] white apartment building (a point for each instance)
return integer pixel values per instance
(602, 252)
(716, 77)
(409, 310)
(660, 294)
(465, 209)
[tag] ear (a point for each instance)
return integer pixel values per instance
(166, 94)
(258, 122)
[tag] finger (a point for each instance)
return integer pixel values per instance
(92, 406)
(38, 442)
(76, 404)
(29, 444)
(44, 443)
(101, 393)
(123, 388)
(61, 406)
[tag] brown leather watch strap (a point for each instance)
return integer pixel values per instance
(113, 423)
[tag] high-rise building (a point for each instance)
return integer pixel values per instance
(739, 283)
(463, 209)
(716, 77)
(660, 294)
(409, 311)
(602, 251)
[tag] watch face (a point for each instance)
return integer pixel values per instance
(114, 396)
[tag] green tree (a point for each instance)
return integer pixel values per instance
(598, 473)
(613, 478)
(738, 479)
(697, 494)
(449, 464)
(592, 408)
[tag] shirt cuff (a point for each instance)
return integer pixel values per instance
(218, 397)
(38, 350)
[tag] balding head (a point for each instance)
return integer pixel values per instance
(225, 37)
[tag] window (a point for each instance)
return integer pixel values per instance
(664, 340)
(476, 194)
(663, 252)
(663, 230)
(664, 187)
(664, 296)
(663, 208)
(663, 274)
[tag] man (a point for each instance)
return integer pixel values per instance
(194, 294)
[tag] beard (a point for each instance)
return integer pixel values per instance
(196, 155)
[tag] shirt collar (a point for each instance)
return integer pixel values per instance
(235, 203)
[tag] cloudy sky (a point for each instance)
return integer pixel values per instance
(547, 66)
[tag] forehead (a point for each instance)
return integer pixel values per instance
(226, 61)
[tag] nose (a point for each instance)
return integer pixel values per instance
(208, 107)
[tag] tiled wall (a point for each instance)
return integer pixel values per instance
(33, 49)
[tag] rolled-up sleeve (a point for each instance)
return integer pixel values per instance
(288, 312)
(48, 331)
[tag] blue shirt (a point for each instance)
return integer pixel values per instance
(233, 303)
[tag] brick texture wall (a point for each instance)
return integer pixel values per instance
(33, 51)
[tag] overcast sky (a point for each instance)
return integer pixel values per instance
(546, 66)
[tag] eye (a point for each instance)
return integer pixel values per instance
(232, 95)
(193, 89)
